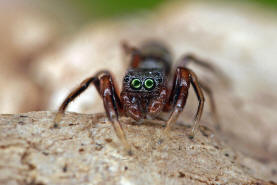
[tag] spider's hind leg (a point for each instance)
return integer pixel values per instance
(214, 112)
(188, 58)
(136, 55)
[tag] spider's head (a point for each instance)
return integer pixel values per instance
(140, 87)
(145, 82)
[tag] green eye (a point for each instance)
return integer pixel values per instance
(149, 84)
(136, 83)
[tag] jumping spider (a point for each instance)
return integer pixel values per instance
(145, 92)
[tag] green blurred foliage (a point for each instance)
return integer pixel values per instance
(83, 11)
(267, 3)
(112, 8)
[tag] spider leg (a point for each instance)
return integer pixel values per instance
(105, 86)
(182, 80)
(75, 93)
(136, 56)
(184, 61)
(127, 48)
(191, 58)
(178, 95)
(213, 108)
(201, 99)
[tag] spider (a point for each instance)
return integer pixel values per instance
(145, 92)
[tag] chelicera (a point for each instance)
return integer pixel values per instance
(145, 91)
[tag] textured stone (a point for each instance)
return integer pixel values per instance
(85, 150)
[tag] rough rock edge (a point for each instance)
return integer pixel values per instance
(84, 149)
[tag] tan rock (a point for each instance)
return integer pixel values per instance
(241, 41)
(85, 150)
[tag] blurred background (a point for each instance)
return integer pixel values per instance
(48, 47)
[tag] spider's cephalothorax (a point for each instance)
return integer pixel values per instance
(141, 86)
(145, 92)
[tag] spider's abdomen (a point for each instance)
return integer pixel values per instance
(155, 56)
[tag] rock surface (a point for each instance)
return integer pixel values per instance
(239, 40)
(85, 150)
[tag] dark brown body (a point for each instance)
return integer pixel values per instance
(151, 60)
(145, 91)
(137, 103)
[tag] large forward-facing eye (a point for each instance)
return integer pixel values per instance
(149, 84)
(136, 84)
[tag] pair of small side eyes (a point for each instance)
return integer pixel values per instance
(147, 84)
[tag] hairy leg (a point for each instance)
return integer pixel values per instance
(75, 93)
(201, 99)
(213, 108)
(177, 99)
(178, 95)
(136, 56)
(186, 59)
(205, 64)
(105, 86)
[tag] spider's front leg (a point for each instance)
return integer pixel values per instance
(105, 86)
(178, 96)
